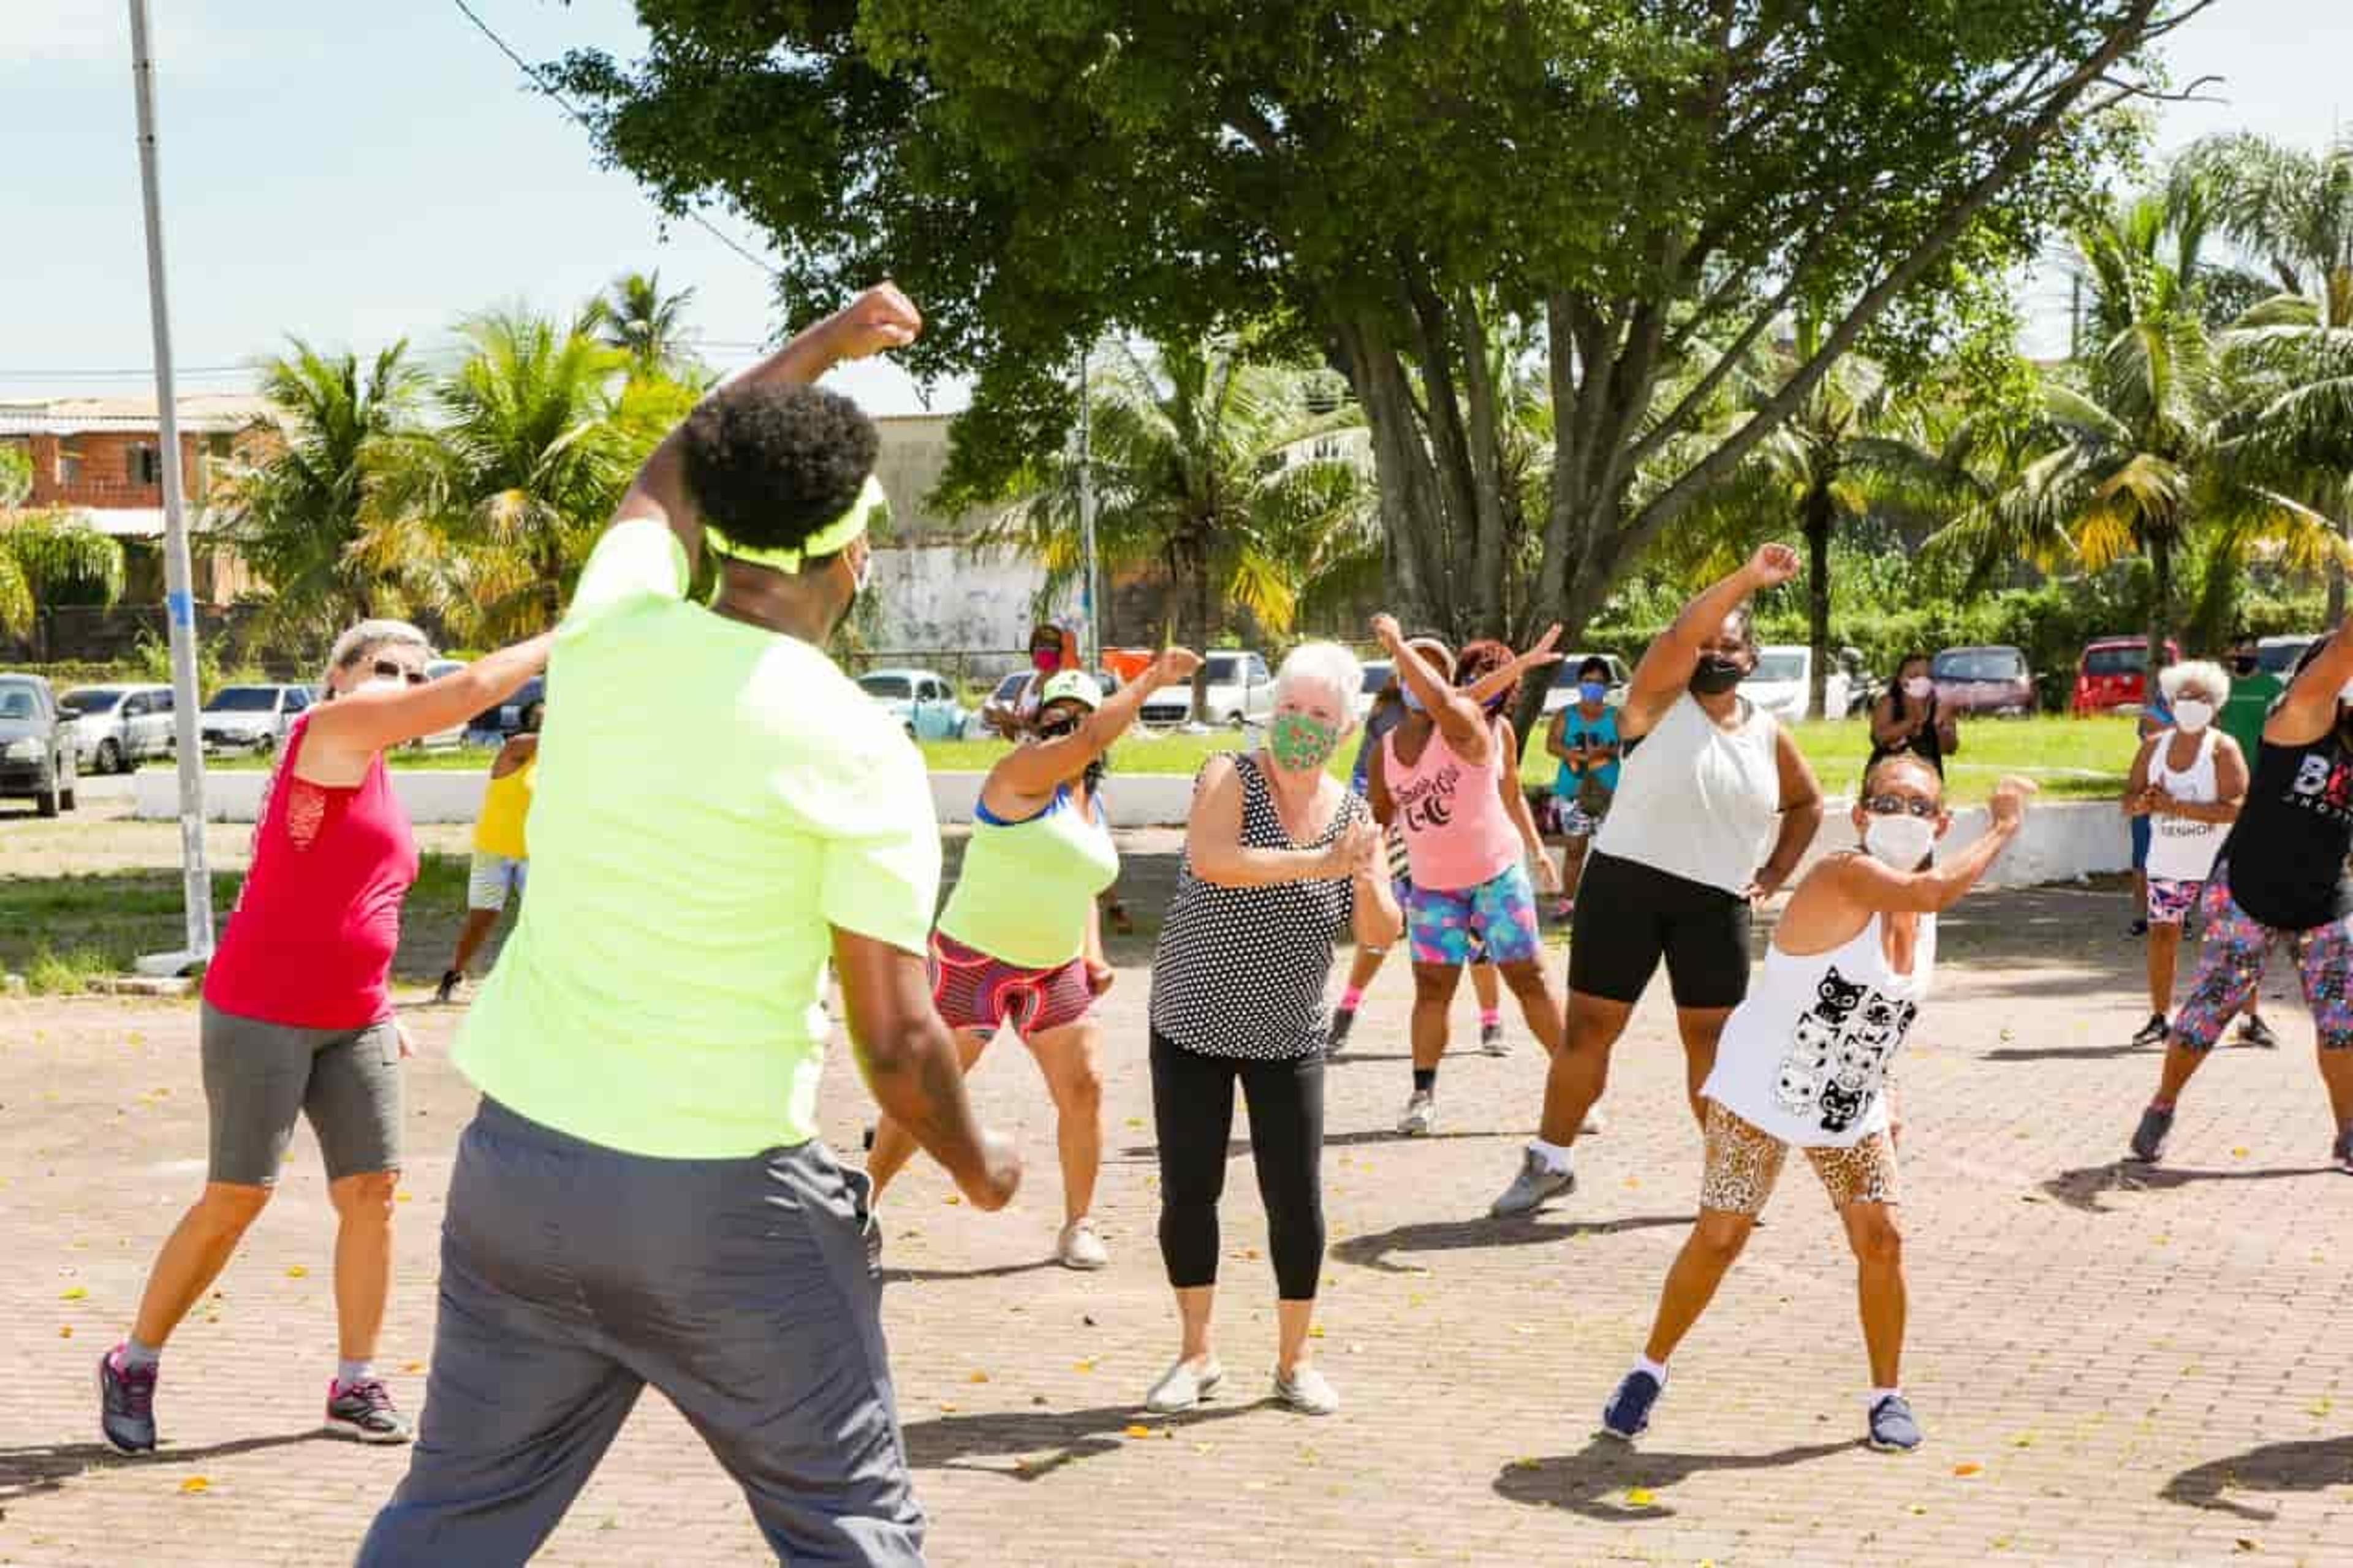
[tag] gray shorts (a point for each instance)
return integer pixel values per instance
(572, 1276)
(259, 1077)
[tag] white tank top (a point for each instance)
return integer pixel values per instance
(2180, 850)
(1696, 801)
(1805, 1057)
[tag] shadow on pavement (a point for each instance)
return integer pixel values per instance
(2308, 1466)
(46, 1467)
(1372, 1250)
(997, 1271)
(1583, 1482)
(2074, 1053)
(2082, 1188)
(1039, 1442)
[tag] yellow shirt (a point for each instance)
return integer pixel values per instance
(499, 830)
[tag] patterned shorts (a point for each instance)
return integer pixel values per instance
(975, 992)
(1744, 1162)
(2169, 902)
(2230, 963)
(1446, 927)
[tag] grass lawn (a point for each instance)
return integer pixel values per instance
(2069, 758)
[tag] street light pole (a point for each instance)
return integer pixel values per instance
(179, 588)
(1091, 600)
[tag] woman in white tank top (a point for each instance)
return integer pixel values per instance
(1804, 1062)
(2188, 782)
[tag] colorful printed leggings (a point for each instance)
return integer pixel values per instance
(2231, 962)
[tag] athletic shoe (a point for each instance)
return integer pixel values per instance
(1491, 1041)
(1343, 1021)
(1536, 1183)
(2342, 1156)
(1628, 1415)
(1421, 1117)
(1181, 1387)
(126, 1404)
(2153, 1032)
(2149, 1138)
(364, 1411)
(445, 993)
(1893, 1430)
(1079, 1247)
(1304, 1390)
(2254, 1031)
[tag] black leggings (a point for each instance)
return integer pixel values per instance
(1192, 1115)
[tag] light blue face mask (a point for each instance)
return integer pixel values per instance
(1413, 701)
(1592, 690)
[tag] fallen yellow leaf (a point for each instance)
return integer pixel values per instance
(195, 1484)
(955, 1197)
(1139, 1431)
(296, 1272)
(1967, 1469)
(2240, 1153)
(1315, 1333)
(66, 1333)
(411, 1366)
(977, 1376)
(76, 1294)
(1638, 1497)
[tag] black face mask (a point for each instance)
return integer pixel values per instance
(1716, 674)
(2244, 663)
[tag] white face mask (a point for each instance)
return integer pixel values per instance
(1919, 688)
(1901, 841)
(381, 683)
(2192, 715)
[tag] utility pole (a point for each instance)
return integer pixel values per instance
(1091, 589)
(179, 577)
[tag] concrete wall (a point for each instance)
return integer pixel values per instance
(2060, 842)
(948, 598)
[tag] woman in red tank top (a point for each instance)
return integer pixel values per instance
(297, 1017)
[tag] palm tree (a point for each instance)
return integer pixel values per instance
(48, 559)
(492, 512)
(637, 318)
(1212, 468)
(297, 516)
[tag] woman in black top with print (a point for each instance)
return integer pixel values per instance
(1277, 856)
(2280, 880)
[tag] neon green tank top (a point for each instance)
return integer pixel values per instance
(1027, 889)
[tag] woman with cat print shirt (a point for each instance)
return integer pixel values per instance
(1804, 1062)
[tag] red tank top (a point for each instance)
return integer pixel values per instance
(309, 943)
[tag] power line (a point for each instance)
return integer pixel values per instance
(532, 74)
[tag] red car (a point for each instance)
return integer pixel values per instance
(2113, 673)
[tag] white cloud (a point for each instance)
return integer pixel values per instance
(64, 32)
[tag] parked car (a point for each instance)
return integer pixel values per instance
(251, 717)
(1564, 680)
(1240, 692)
(923, 702)
(1781, 684)
(1378, 673)
(2277, 656)
(116, 728)
(36, 746)
(2113, 673)
(495, 726)
(1985, 680)
(455, 735)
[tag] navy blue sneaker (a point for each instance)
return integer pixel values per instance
(1893, 1430)
(126, 1404)
(2149, 1138)
(1628, 1415)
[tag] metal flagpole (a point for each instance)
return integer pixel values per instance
(1091, 591)
(179, 595)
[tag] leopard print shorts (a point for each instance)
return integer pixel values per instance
(1744, 1162)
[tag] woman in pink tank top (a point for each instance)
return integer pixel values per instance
(1448, 778)
(297, 1017)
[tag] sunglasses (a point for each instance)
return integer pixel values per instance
(393, 669)
(1897, 805)
(1058, 728)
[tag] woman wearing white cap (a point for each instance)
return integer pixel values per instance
(1018, 945)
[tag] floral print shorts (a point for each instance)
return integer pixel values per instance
(2230, 963)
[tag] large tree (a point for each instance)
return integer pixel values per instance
(53, 558)
(1652, 185)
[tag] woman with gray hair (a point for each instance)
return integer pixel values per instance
(297, 1017)
(1277, 856)
(2188, 784)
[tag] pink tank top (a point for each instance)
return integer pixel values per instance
(309, 943)
(1458, 834)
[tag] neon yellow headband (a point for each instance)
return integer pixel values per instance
(833, 538)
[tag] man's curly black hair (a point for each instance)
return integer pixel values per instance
(772, 465)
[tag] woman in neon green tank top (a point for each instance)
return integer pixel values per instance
(1019, 945)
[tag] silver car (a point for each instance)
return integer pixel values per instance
(37, 752)
(251, 717)
(116, 728)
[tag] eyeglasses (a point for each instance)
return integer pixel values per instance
(393, 669)
(1897, 805)
(1058, 728)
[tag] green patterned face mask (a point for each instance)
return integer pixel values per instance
(1302, 743)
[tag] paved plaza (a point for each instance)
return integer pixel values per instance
(2111, 1366)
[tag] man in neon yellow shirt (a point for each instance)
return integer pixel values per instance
(641, 1198)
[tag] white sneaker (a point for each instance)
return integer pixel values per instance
(1183, 1386)
(1421, 1117)
(1079, 1247)
(1304, 1390)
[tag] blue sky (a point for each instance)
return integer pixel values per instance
(358, 171)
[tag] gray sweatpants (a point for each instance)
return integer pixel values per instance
(574, 1275)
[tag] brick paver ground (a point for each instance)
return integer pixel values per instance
(2110, 1367)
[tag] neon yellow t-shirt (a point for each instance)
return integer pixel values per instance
(711, 799)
